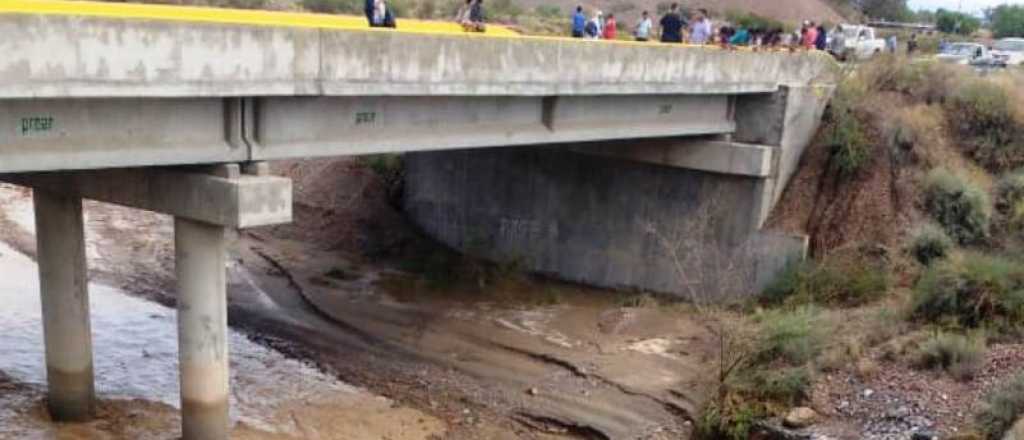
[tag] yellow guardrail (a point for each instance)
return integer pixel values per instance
(228, 16)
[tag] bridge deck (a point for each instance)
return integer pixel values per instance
(87, 85)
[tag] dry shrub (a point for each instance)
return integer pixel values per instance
(848, 277)
(962, 356)
(972, 291)
(988, 118)
(929, 243)
(961, 207)
(1002, 409)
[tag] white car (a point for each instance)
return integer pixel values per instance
(965, 54)
(854, 41)
(1009, 51)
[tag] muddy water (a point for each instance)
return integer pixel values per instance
(135, 363)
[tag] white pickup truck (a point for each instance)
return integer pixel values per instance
(851, 41)
(1009, 51)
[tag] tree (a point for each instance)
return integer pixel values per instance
(1008, 21)
(956, 23)
(891, 10)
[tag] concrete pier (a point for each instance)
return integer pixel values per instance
(65, 299)
(202, 329)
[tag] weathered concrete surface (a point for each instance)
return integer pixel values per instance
(599, 220)
(200, 259)
(786, 120)
(240, 202)
(63, 286)
(65, 57)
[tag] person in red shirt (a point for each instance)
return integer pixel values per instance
(810, 36)
(610, 28)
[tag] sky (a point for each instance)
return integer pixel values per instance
(970, 6)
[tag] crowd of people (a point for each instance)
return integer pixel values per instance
(697, 28)
(673, 27)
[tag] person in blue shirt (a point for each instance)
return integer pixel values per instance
(741, 37)
(672, 26)
(579, 22)
(368, 10)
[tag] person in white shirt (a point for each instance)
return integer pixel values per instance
(643, 27)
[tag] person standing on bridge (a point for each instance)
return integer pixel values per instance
(476, 17)
(579, 22)
(672, 25)
(643, 27)
(701, 31)
(810, 36)
(593, 29)
(610, 28)
(368, 8)
(821, 41)
(462, 15)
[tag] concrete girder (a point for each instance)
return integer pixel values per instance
(702, 155)
(241, 202)
(288, 127)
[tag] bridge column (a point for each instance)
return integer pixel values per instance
(63, 286)
(202, 329)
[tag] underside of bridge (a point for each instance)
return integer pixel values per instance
(679, 215)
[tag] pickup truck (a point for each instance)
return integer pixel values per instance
(850, 41)
(966, 54)
(1010, 51)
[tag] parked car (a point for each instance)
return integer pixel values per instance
(850, 41)
(1009, 51)
(966, 54)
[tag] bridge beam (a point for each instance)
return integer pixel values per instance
(63, 286)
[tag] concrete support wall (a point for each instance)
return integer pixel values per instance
(599, 220)
(65, 298)
(202, 329)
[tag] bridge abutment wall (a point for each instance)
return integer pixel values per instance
(680, 216)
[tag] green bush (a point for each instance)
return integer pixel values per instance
(1008, 21)
(978, 290)
(1010, 198)
(721, 421)
(982, 114)
(960, 356)
(794, 336)
(962, 209)
(549, 11)
(930, 243)
(956, 22)
(753, 21)
(1001, 409)
(334, 6)
(845, 132)
(786, 386)
(831, 282)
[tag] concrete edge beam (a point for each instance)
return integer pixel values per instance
(239, 202)
(703, 155)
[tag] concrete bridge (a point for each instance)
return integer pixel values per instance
(620, 164)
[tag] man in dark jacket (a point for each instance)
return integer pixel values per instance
(672, 26)
(368, 9)
(821, 42)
